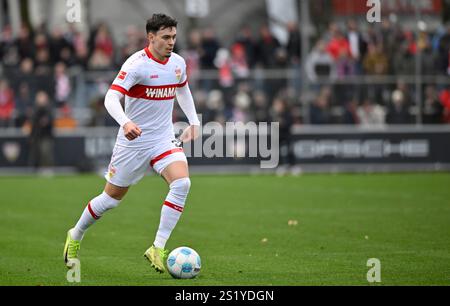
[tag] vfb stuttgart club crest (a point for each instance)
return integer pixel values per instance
(178, 73)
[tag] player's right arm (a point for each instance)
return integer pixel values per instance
(126, 78)
(114, 108)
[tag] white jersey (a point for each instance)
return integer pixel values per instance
(149, 87)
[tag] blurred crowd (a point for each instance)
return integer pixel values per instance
(244, 79)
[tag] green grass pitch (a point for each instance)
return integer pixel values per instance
(239, 226)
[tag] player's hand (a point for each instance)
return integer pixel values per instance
(131, 130)
(190, 133)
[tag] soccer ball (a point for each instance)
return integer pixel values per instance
(183, 262)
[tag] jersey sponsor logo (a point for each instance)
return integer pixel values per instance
(122, 75)
(160, 93)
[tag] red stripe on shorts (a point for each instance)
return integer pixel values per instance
(161, 156)
(92, 212)
(173, 206)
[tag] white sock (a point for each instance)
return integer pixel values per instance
(171, 210)
(93, 211)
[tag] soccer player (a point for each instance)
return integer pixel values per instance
(149, 80)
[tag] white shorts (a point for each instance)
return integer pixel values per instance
(128, 166)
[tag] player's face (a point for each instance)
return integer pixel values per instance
(163, 42)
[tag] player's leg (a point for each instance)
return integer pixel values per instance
(177, 177)
(174, 169)
(108, 199)
(127, 167)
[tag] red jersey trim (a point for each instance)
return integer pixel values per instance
(164, 92)
(119, 89)
(150, 55)
(182, 84)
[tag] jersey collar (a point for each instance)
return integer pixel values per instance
(150, 55)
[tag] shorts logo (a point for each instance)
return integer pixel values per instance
(178, 73)
(122, 75)
(111, 171)
(155, 76)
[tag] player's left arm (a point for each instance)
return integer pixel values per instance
(186, 102)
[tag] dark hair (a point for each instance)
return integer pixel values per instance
(160, 22)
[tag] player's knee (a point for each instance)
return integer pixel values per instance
(181, 186)
(115, 192)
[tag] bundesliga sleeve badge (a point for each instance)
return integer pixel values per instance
(122, 75)
(178, 73)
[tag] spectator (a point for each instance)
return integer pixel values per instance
(102, 49)
(24, 43)
(209, 48)
(215, 107)
(281, 113)
(7, 104)
(320, 64)
(389, 36)
(208, 52)
(345, 65)
(350, 112)
(223, 63)
(266, 48)
(41, 137)
(59, 45)
(239, 63)
(99, 60)
(429, 61)
(245, 38)
(338, 46)
(25, 74)
(398, 110)
(444, 98)
(242, 101)
(80, 49)
(375, 62)
(444, 52)
(371, 114)
(8, 48)
(432, 108)
(260, 107)
(191, 55)
(24, 105)
(62, 85)
(403, 61)
(357, 43)
(294, 47)
(320, 111)
(42, 64)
